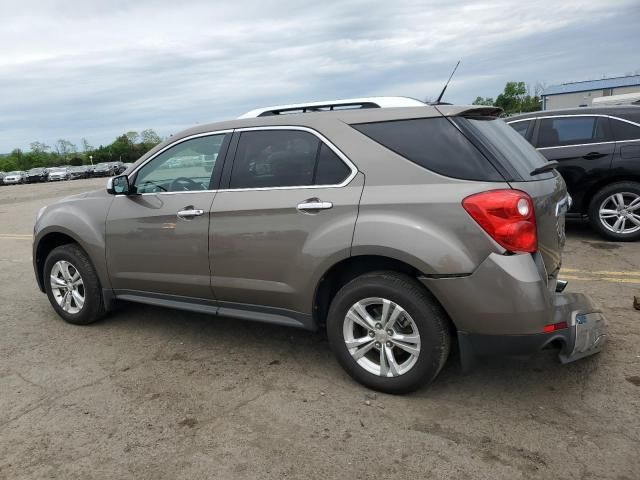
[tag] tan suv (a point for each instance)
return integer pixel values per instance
(394, 225)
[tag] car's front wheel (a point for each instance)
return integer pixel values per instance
(615, 211)
(72, 285)
(388, 332)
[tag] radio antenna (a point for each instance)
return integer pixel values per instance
(437, 102)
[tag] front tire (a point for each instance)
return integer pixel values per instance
(72, 285)
(614, 211)
(388, 332)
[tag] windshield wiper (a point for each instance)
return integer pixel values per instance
(545, 168)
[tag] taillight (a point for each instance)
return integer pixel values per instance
(507, 216)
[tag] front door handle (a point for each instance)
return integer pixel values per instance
(594, 155)
(313, 205)
(189, 213)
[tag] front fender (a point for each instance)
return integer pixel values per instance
(81, 218)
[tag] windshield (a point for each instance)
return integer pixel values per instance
(14, 173)
(57, 169)
(505, 145)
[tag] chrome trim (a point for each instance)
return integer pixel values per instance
(587, 144)
(582, 115)
(314, 205)
(381, 102)
(342, 156)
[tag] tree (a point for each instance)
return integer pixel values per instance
(86, 147)
(483, 101)
(149, 138)
(132, 136)
(39, 147)
(516, 99)
(64, 148)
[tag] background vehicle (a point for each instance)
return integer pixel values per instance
(2, 174)
(458, 230)
(36, 175)
(12, 178)
(58, 173)
(105, 169)
(598, 155)
(81, 171)
(118, 168)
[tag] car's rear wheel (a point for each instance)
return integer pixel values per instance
(72, 285)
(388, 332)
(615, 211)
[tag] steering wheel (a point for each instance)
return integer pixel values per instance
(184, 184)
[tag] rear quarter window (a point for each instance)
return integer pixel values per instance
(435, 144)
(625, 130)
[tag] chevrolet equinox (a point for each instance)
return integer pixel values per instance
(397, 226)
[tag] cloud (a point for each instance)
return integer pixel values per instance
(73, 69)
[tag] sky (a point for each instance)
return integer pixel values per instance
(89, 69)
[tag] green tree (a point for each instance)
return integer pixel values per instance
(149, 138)
(483, 101)
(516, 99)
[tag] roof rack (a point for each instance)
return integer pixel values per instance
(331, 105)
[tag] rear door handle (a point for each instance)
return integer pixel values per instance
(314, 205)
(594, 155)
(189, 213)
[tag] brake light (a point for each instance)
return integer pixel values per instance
(507, 216)
(554, 327)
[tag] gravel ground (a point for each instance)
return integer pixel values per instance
(153, 393)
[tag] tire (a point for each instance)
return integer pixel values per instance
(604, 198)
(422, 313)
(77, 260)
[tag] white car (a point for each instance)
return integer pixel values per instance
(58, 173)
(13, 177)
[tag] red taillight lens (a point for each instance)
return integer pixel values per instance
(507, 216)
(554, 327)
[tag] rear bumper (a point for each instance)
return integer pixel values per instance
(503, 307)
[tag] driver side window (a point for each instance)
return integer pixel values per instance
(187, 166)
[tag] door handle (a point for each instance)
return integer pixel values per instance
(189, 213)
(314, 204)
(594, 155)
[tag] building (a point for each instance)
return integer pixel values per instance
(581, 94)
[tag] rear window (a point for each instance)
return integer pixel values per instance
(505, 145)
(435, 144)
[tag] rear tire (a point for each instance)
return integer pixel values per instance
(416, 343)
(72, 285)
(610, 214)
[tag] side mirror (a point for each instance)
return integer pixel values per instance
(119, 185)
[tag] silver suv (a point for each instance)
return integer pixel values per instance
(396, 226)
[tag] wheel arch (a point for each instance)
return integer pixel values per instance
(342, 272)
(605, 182)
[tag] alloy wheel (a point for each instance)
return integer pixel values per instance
(620, 213)
(381, 337)
(67, 287)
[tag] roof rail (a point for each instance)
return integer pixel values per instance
(331, 105)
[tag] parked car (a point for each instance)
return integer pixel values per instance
(2, 174)
(58, 173)
(12, 178)
(105, 169)
(81, 171)
(118, 168)
(457, 231)
(598, 154)
(36, 175)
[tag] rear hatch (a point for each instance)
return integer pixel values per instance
(517, 159)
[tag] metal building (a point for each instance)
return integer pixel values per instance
(582, 94)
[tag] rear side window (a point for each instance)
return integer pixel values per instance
(435, 144)
(285, 158)
(624, 130)
(556, 132)
(506, 146)
(521, 127)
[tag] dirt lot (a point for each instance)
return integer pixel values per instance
(152, 393)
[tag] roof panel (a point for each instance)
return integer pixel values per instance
(592, 85)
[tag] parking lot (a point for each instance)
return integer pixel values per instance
(155, 393)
